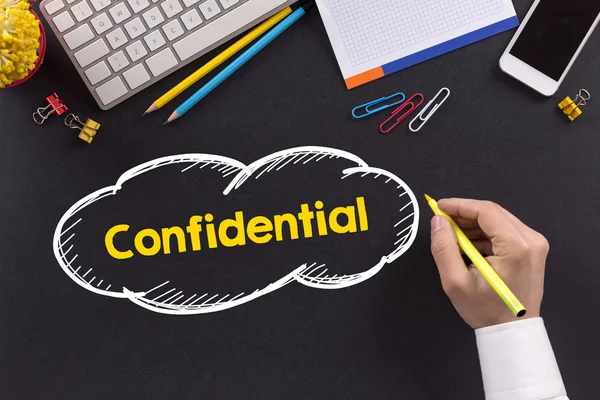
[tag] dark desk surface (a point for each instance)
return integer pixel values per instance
(494, 139)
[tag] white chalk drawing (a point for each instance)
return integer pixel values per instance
(165, 299)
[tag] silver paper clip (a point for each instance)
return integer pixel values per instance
(420, 116)
(369, 111)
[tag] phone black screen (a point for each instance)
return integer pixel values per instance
(554, 33)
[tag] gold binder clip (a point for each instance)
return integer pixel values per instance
(572, 107)
(87, 131)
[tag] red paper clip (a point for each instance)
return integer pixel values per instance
(407, 103)
(55, 106)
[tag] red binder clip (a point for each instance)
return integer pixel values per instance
(55, 106)
(409, 103)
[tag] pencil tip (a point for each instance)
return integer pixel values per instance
(151, 109)
(172, 118)
(145, 113)
(428, 198)
(166, 122)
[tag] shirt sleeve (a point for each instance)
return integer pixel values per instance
(518, 363)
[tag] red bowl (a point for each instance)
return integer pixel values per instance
(41, 53)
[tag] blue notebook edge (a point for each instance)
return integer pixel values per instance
(451, 45)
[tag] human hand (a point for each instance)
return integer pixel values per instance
(515, 251)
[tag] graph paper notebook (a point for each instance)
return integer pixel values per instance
(374, 38)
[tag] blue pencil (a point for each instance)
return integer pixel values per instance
(238, 63)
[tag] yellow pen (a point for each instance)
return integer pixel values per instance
(218, 60)
(482, 265)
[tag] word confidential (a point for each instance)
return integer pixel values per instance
(235, 232)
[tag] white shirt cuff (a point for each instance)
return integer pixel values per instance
(518, 363)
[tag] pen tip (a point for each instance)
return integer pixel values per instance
(428, 198)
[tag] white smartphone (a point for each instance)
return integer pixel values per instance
(548, 42)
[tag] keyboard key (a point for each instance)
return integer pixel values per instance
(100, 4)
(204, 37)
(54, 6)
(98, 73)
(136, 50)
(191, 19)
(91, 53)
(135, 28)
(120, 13)
(138, 5)
(153, 17)
(78, 36)
(118, 61)
(101, 23)
(161, 62)
(210, 9)
(116, 38)
(81, 11)
(173, 30)
(111, 90)
(71, 1)
(63, 21)
(228, 3)
(136, 76)
(189, 3)
(154, 40)
(171, 8)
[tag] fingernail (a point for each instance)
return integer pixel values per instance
(438, 222)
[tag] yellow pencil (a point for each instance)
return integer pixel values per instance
(482, 265)
(218, 60)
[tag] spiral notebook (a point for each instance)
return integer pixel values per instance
(374, 38)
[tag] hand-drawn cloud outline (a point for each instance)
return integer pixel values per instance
(304, 274)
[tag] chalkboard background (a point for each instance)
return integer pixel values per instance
(393, 336)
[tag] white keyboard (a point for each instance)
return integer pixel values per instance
(122, 47)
